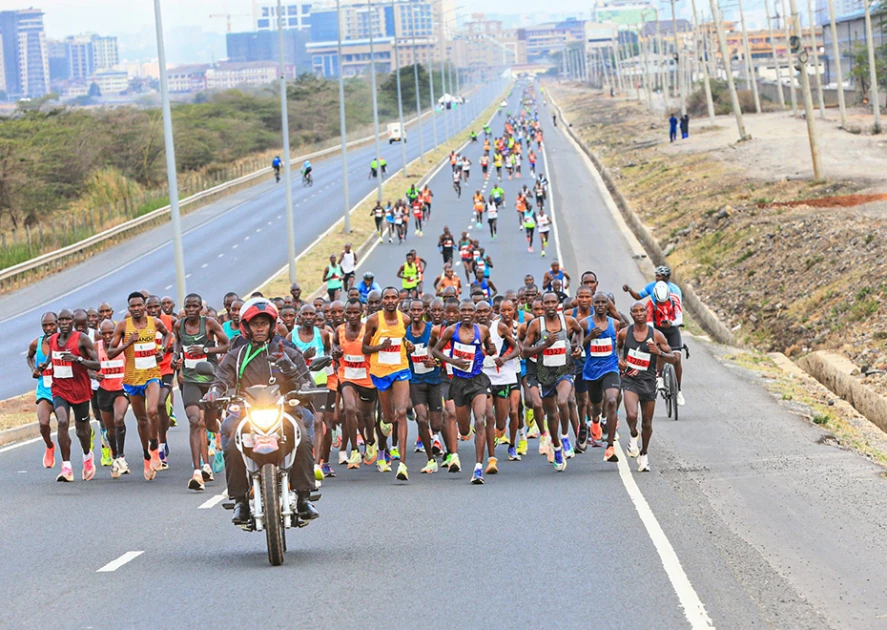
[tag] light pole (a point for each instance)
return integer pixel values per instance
(403, 131)
(171, 177)
(750, 75)
(805, 88)
(728, 66)
(287, 167)
(375, 100)
(816, 60)
(873, 73)
(342, 120)
(416, 77)
(431, 92)
(837, 53)
(707, 84)
(776, 63)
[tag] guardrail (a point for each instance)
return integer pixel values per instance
(14, 276)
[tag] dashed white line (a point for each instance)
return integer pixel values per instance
(220, 256)
(214, 501)
(167, 287)
(129, 556)
(246, 238)
(188, 275)
(258, 230)
(204, 265)
(234, 246)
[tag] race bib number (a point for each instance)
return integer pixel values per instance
(391, 354)
(419, 356)
(60, 368)
(355, 367)
(145, 357)
(113, 369)
(191, 360)
(464, 351)
(47, 377)
(638, 360)
(555, 355)
(602, 347)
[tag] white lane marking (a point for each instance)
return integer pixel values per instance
(204, 265)
(168, 287)
(270, 223)
(258, 230)
(234, 246)
(694, 610)
(246, 238)
(220, 256)
(187, 275)
(129, 556)
(23, 353)
(279, 216)
(214, 501)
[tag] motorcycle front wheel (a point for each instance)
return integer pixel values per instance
(273, 524)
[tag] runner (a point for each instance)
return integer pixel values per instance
(485, 163)
(470, 386)
(539, 191)
(347, 263)
(71, 355)
(544, 226)
(466, 248)
(231, 328)
(502, 369)
(529, 224)
(136, 338)
(368, 285)
(493, 217)
(554, 371)
(378, 214)
(478, 208)
(287, 316)
(639, 377)
(427, 196)
(409, 274)
(113, 402)
(333, 276)
(384, 342)
(36, 357)
(447, 279)
(199, 338)
(555, 273)
(167, 374)
(445, 245)
(425, 381)
(418, 213)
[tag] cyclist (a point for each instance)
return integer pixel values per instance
(664, 311)
(663, 274)
(275, 164)
(306, 172)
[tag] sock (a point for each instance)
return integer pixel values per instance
(478, 466)
(152, 445)
(64, 464)
(558, 448)
(87, 457)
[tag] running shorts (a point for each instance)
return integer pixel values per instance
(464, 390)
(166, 380)
(502, 391)
(428, 395)
(78, 412)
(366, 394)
(672, 335)
(193, 392)
(550, 390)
(107, 399)
(596, 388)
(384, 383)
(139, 390)
(645, 389)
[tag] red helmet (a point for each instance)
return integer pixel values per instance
(252, 308)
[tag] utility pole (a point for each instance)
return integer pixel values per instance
(808, 98)
(791, 64)
(375, 101)
(646, 79)
(708, 99)
(776, 63)
(725, 55)
(837, 53)
(342, 120)
(403, 130)
(815, 48)
(663, 83)
(171, 175)
(873, 73)
(431, 92)
(750, 74)
(680, 88)
(287, 167)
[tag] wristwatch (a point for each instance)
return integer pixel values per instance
(79, 359)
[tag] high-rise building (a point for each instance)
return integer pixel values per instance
(2, 68)
(105, 53)
(58, 60)
(264, 46)
(78, 52)
(295, 16)
(25, 58)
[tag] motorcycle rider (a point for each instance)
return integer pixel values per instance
(263, 359)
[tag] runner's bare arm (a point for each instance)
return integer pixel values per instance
(371, 327)
(218, 332)
(118, 343)
(664, 350)
(31, 359)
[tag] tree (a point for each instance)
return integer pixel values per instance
(94, 91)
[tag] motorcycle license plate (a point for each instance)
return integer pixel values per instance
(265, 444)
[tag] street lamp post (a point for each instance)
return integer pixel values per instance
(287, 167)
(416, 78)
(172, 178)
(375, 100)
(342, 120)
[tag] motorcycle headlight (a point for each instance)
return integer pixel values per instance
(264, 419)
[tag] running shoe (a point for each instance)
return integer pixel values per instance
(372, 452)
(49, 457)
(115, 469)
(164, 464)
(430, 467)
(318, 472)
(359, 439)
(172, 420)
(582, 438)
(383, 466)
(402, 474)
(155, 463)
(549, 453)
(530, 249)
(150, 473)
(569, 453)
(106, 459)
(681, 402)
(455, 464)
(446, 461)
(436, 447)
(522, 445)
(196, 481)
(354, 460)
(343, 457)
(465, 438)
(492, 466)
(88, 467)
(560, 464)
(597, 434)
(477, 478)
(544, 444)
(632, 450)
(337, 438)
(327, 470)
(533, 431)
(610, 455)
(513, 455)
(394, 453)
(123, 466)
(660, 383)
(643, 463)
(210, 444)
(543, 253)
(419, 448)
(385, 428)
(207, 473)
(67, 474)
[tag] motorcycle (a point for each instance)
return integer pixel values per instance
(267, 436)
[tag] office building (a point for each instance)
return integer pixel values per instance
(483, 43)
(111, 81)
(25, 56)
(105, 53)
(295, 16)
(78, 52)
(265, 46)
(545, 40)
(851, 35)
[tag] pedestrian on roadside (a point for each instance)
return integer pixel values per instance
(685, 126)
(672, 128)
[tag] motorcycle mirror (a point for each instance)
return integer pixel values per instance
(205, 368)
(320, 363)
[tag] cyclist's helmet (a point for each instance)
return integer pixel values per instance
(664, 271)
(660, 292)
(369, 275)
(254, 308)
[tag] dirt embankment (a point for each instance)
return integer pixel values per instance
(790, 265)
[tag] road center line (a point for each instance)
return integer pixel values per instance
(694, 609)
(213, 501)
(119, 562)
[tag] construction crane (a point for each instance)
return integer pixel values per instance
(228, 17)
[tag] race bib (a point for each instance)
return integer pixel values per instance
(391, 354)
(144, 354)
(601, 347)
(60, 368)
(47, 377)
(113, 369)
(464, 351)
(420, 354)
(355, 367)
(638, 360)
(191, 360)
(555, 355)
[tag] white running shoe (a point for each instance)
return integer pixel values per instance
(681, 399)
(643, 463)
(632, 446)
(343, 457)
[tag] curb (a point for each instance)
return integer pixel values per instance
(17, 434)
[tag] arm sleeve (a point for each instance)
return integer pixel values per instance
(647, 290)
(226, 375)
(678, 311)
(296, 357)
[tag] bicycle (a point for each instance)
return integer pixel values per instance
(277, 175)
(307, 180)
(669, 389)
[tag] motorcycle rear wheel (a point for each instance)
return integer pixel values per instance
(273, 524)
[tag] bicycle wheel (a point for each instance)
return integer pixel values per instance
(667, 392)
(673, 389)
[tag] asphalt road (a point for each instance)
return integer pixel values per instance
(747, 520)
(233, 244)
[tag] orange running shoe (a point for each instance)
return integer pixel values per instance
(155, 462)
(596, 433)
(150, 473)
(610, 455)
(49, 457)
